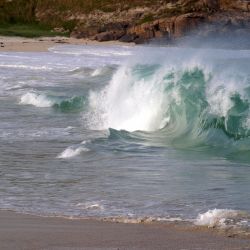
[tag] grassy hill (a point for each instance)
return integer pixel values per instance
(18, 17)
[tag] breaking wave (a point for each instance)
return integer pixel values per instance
(223, 218)
(35, 99)
(187, 104)
(43, 101)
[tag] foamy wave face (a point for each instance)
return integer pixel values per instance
(196, 102)
(129, 102)
(97, 72)
(217, 218)
(35, 99)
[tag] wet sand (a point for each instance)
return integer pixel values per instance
(19, 231)
(20, 44)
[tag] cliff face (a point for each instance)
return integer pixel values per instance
(141, 20)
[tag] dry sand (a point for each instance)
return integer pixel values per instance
(18, 231)
(19, 44)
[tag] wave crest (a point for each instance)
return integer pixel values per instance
(222, 218)
(44, 101)
(37, 100)
(191, 104)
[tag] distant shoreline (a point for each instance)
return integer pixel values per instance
(21, 231)
(42, 44)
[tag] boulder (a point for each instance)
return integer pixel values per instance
(128, 38)
(109, 35)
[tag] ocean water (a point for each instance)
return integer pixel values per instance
(127, 133)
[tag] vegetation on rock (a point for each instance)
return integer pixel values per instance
(128, 20)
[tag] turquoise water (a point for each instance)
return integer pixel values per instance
(126, 133)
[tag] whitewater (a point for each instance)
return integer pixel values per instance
(127, 133)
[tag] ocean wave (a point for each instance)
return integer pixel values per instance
(93, 50)
(73, 151)
(223, 218)
(37, 100)
(90, 206)
(44, 101)
(27, 67)
(185, 105)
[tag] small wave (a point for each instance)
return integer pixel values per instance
(90, 206)
(92, 50)
(43, 101)
(72, 151)
(73, 104)
(222, 218)
(35, 99)
(28, 67)
(97, 72)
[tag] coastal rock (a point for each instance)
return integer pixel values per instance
(128, 38)
(187, 23)
(138, 21)
(200, 5)
(168, 27)
(242, 5)
(109, 35)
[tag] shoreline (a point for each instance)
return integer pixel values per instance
(23, 231)
(42, 44)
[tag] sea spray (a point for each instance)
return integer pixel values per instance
(222, 218)
(195, 103)
(128, 103)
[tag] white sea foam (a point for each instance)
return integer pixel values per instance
(35, 99)
(135, 100)
(129, 103)
(92, 50)
(97, 72)
(90, 206)
(28, 67)
(216, 217)
(72, 152)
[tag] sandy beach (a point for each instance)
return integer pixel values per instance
(20, 44)
(18, 231)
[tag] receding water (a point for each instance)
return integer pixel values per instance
(126, 132)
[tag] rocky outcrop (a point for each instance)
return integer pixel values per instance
(242, 5)
(136, 21)
(170, 21)
(169, 27)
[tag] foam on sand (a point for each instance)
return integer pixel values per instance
(217, 217)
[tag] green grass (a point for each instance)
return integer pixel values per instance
(87, 6)
(28, 30)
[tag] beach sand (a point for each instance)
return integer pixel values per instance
(19, 231)
(20, 44)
